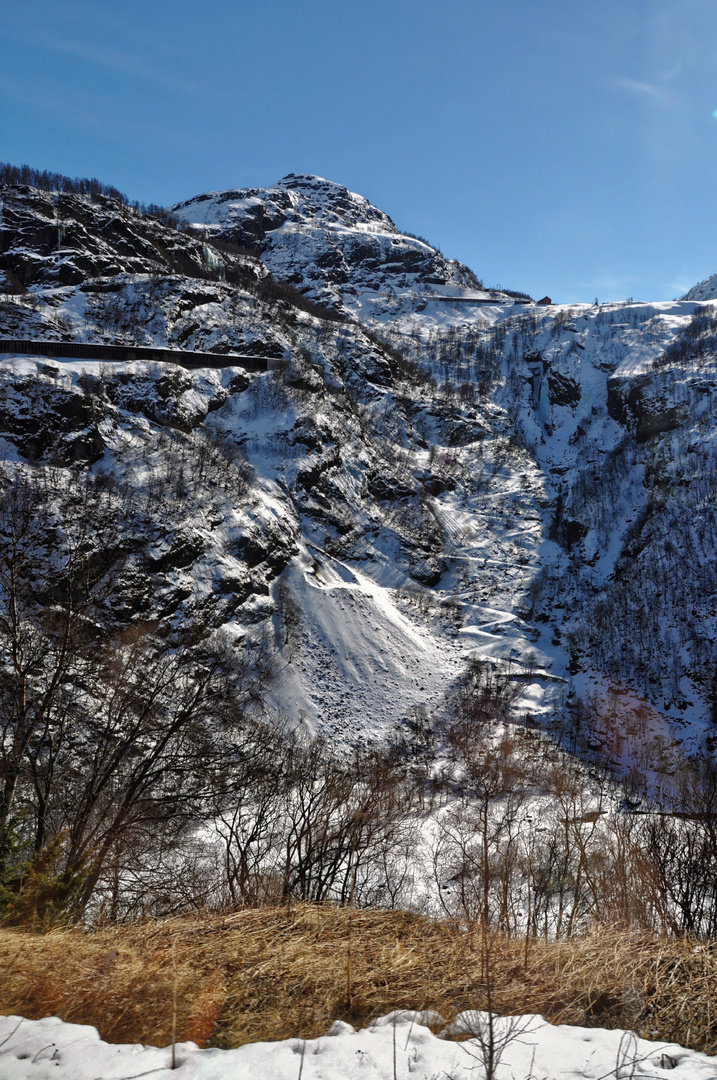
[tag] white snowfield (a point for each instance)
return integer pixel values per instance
(393, 1047)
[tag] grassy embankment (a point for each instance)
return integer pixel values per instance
(288, 972)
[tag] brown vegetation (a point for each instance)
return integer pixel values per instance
(282, 972)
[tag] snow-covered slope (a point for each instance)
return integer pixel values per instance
(703, 290)
(614, 406)
(435, 477)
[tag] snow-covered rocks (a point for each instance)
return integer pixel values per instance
(51, 238)
(326, 241)
(703, 290)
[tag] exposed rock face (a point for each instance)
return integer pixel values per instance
(192, 531)
(643, 405)
(50, 238)
(563, 389)
(324, 240)
(47, 421)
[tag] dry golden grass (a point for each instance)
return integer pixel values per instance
(273, 973)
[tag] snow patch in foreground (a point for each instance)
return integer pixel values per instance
(398, 1045)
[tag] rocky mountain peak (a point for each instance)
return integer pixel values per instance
(332, 201)
(296, 196)
(324, 240)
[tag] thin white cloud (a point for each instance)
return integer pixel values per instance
(119, 61)
(643, 88)
(70, 112)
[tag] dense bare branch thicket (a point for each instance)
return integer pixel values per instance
(529, 841)
(310, 826)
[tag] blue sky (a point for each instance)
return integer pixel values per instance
(559, 147)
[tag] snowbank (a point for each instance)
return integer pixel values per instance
(394, 1046)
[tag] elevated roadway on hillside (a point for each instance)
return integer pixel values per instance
(76, 350)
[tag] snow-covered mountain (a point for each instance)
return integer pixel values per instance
(433, 471)
(328, 242)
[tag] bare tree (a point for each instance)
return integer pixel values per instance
(108, 734)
